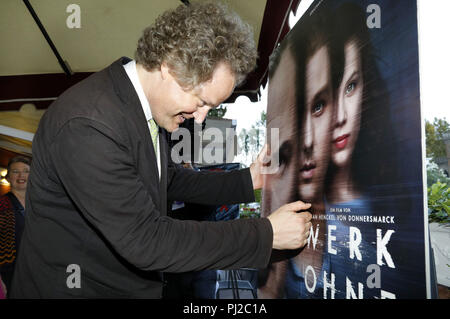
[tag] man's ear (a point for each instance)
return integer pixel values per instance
(165, 71)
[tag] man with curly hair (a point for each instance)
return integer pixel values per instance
(96, 222)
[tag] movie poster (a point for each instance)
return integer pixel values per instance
(344, 128)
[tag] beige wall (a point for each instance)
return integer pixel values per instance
(109, 29)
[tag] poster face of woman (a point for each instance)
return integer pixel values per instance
(348, 107)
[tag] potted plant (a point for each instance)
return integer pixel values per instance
(252, 210)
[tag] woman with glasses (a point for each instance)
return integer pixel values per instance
(12, 217)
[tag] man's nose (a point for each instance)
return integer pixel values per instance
(200, 114)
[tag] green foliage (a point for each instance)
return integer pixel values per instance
(249, 212)
(437, 181)
(263, 119)
(435, 174)
(434, 134)
(257, 193)
(439, 203)
(245, 140)
(252, 140)
(252, 210)
(218, 111)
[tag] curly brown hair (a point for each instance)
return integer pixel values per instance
(193, 39)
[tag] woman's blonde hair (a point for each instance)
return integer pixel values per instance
(193, 39)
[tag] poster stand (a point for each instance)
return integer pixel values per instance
(433, 276)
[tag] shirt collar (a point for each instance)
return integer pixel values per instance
(131, 70)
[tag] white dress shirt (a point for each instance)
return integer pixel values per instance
(130, 68)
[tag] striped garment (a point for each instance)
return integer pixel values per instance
(7, 231)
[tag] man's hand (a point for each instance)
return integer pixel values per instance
(290, 229)
(256, 169)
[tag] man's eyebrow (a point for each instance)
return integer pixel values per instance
(208, 103)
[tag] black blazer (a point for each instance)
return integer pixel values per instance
(94, 200)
